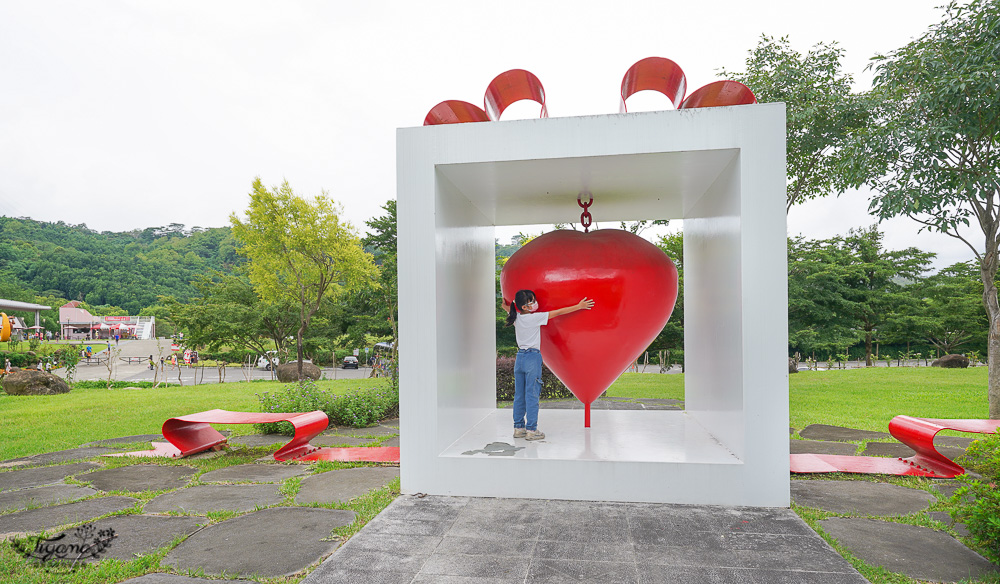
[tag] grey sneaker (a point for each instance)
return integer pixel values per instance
(534, 435)
(519, 432)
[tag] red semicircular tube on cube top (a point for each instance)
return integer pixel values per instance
(512, 86)
(454, 111)
(655, 74)
(719, 93)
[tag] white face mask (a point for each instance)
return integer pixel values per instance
(530, 306)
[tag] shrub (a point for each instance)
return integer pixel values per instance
(361, 408)
(977, 502)
(16, 359)
(103, 384)
(552, 387)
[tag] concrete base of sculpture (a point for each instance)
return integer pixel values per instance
(633, 446)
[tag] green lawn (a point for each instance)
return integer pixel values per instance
(857, 398)
(36, 424)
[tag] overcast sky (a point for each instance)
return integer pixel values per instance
(132, 114)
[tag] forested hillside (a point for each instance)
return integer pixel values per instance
(126, 270)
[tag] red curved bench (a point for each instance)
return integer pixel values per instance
(918, 434)
(192, 434)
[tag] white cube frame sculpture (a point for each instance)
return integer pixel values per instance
(721, 170)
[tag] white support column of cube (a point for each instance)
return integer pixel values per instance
(721, 170)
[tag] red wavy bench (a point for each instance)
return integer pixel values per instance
(918, 434)
(187, 435)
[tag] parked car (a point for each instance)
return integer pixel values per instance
(268, 361)
(350, 362)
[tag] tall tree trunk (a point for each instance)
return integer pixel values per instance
(298, 343)
(988, 272)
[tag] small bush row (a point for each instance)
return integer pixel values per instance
(552, 387)
(103, 384)
(358, 409)
(977, 502)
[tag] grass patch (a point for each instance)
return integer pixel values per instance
(37, 424)
(857, 398)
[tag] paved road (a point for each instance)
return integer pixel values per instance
(121, 370)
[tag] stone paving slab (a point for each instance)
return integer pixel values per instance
(839, 433)
(255, 440)
(144, 534)
(160, 578)
(464, 539)
(946, 487)
(38, 496)
(918, 552)
(272, 543)
(201, 499)
(391, 443)
(114, 442)
(344, 484)
(334, 440)
(821, 447)
(254, 473)
(140, 477)
(57, 457)
(46, 475)
(370, 431)
(879, 499)
(946, 518)
(35, 520)
(900, 450)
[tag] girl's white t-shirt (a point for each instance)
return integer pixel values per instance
(528, 329)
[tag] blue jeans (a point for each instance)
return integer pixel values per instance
(527, 387)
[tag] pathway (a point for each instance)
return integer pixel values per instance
(271, 527)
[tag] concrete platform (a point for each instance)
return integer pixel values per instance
(462, 539)
(866, 498)
(655, 436)
(271, 543)
(918, 552)
(46, 475)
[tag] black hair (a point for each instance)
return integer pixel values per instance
(520, 299)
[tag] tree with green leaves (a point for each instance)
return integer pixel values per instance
(848, 288)
(951, 307)
(934, 152)
(299, 251)
(821, 111)
(230, 313)
(672, 335)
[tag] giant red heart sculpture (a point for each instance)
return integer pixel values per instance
(634, 288)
